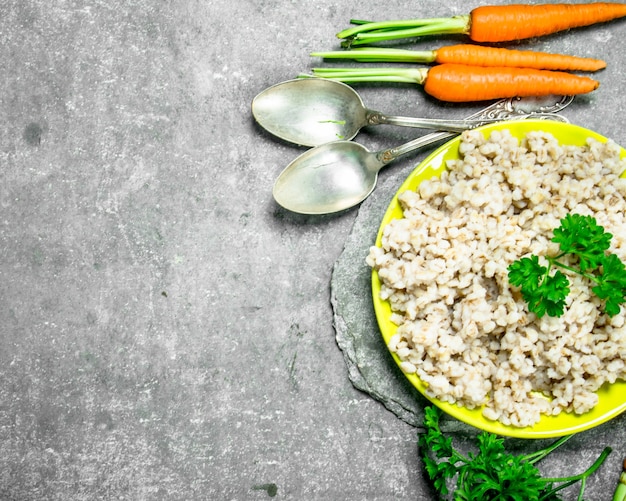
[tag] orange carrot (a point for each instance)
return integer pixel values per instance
(497, 23)
(459, 83)
(464, 83)
(478, 55)
(515, 22)
(475, 55)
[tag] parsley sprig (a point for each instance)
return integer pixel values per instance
(582, 237)
(492, 473)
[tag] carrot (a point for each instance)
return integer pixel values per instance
(464, 83)
(457, 83)
(475, 55)
(497, 23)
(515, 22)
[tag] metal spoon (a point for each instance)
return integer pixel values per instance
(339, 175)
(314, 111)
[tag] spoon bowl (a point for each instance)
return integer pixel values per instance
(310, 112)
(328, 178)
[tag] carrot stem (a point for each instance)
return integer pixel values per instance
(378, 54)
(372, 32)
(357, 75)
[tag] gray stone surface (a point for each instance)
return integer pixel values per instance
(167, 331)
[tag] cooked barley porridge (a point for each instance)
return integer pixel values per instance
(462, 328)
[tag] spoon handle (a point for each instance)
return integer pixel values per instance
(390, 154)
(376, 118)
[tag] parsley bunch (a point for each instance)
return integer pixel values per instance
(492, 473)
(581, 237)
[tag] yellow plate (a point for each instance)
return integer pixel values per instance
(612, 398)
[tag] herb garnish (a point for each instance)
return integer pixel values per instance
(492, 473)
(583, 238)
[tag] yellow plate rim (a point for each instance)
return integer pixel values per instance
(612, 397)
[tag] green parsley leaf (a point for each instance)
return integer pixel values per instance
(582, 237)
(612, 284)
(492, 473)
(527, 272)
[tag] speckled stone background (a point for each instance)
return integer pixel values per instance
(167, 332)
